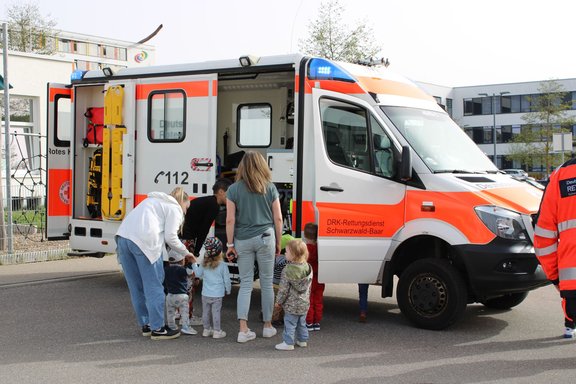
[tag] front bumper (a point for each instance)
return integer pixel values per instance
(501, 267)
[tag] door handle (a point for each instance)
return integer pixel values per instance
(331, 189)
(204, 164)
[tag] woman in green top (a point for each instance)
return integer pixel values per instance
(253, 232)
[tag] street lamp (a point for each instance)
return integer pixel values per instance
(494, 117)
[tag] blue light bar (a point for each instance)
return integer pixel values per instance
(322, 69)
(77, 75)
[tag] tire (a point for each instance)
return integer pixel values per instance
(432, 294)
(505, 302)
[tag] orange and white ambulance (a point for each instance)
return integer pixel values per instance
(395, 186)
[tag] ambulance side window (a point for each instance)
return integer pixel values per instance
(167, 116)
(382, 150)
(345, 132)
(354, 138)
(62, 122)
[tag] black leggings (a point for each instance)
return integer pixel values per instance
(569, 306)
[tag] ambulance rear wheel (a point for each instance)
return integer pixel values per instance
(432, 294)
(505, 302)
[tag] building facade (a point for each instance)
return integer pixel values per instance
(29, 74)
(485, 111)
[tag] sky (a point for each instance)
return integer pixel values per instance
(445, 42)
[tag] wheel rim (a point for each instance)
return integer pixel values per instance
(428, 295)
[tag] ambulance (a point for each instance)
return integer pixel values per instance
(402, 196)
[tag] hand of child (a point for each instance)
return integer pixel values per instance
(190, 258)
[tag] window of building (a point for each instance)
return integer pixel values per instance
(506, 104)
(93, 49)
(476, 134)
(487, 105)
(24, 146)
(487, 135)
(80, 48)
(496, 104)
(507, 134)
(254, 125)
(64, 45)
(449, 106)
(525, 103)
(167, 116)
(515, 103)
(473, 106)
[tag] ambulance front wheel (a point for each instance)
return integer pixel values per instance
(432, 294)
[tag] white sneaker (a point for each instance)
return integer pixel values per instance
(207, 332)
(188, 331)
(195, 320)
(302, 344)
(284, 347)
(246, 336)
(218, 334)
(269, 332)
(569, 333)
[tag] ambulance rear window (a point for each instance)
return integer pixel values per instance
(254, 125)
(167, 116)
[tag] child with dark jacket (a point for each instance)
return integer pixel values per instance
(175, 282)
(294, 296)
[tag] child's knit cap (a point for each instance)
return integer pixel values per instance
(213, 246)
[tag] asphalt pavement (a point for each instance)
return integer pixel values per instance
(71, 321)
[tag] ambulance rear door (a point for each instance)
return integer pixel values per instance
(58, 164)
(176, 134)
(358, 199)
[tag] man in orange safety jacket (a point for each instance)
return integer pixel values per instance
(555, 238)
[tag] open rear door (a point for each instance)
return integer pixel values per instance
(357, 197)
(58, 207)
(176, 131)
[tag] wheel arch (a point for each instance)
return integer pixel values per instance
(420, 239)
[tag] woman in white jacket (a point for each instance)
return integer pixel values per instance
(140, 241)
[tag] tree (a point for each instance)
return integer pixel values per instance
(29, 30)
(548, 115)
(332, 39)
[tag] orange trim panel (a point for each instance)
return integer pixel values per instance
(59, 91)
(307, 214)
(389, 87)
(359, 220)
(367, 84)
(59, 192)
(192, 89)
(454, 208)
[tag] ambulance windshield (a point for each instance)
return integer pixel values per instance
(439, 142)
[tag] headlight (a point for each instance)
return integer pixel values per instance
(502, 222)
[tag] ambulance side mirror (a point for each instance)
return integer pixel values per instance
(405, 173)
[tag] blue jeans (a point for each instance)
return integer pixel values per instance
(260, 249)
(294, 325)
(144, 281)
(363, 297)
